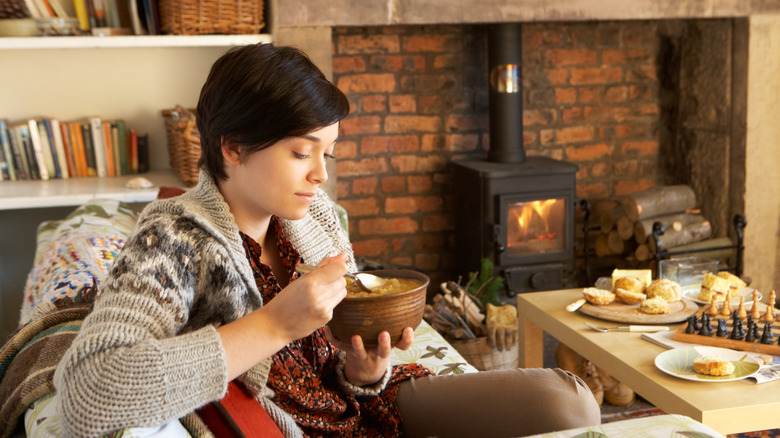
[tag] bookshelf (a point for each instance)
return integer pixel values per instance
(128, 77)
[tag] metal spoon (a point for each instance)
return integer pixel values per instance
(367, 282)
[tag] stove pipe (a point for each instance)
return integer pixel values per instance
(506, 94)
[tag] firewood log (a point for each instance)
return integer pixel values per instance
(643, 253)
(644, 228)
(659, 201)
(608, 219)
(689, 233)
(615, 244)
(625, 227)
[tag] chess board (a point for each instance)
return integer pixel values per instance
(763, 338)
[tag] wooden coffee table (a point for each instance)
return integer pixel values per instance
(728, 407)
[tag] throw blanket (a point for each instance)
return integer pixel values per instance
(29, 358)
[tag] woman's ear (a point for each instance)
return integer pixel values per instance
(231, 152)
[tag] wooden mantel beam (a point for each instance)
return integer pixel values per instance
(295, 13)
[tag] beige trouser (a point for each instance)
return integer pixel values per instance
(503, 403)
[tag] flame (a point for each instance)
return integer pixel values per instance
(533, 220)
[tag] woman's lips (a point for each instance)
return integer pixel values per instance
(309, 197)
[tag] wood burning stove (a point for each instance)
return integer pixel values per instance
(515, 210)
(521, 217)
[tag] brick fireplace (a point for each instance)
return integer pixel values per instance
(593, 96)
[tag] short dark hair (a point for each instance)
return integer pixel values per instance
(258, 94)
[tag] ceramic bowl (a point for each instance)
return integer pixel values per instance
(368, 316)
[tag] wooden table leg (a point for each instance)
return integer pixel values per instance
(531, 340)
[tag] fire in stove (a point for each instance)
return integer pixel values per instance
(536, 227)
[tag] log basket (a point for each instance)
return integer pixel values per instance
(484, 357)
(198, 17)
(183, 143)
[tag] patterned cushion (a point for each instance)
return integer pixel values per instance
(71, 252)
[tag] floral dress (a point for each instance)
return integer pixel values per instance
(303, 374)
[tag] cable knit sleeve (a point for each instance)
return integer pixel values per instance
(149, 352)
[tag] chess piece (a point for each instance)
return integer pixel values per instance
(735, 316)
(722, 332)
(742, 311)
(755, 330)
(713, 309)
(736, 331)
(766, 336)
(695, 323)
(754, 312)
(770, 313)
(690, 328)
(704, 329)
(706, 323)
(749, 335)
(726, 310)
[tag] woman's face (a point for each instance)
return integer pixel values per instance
(282, 179)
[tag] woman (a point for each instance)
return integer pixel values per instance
(205, 292)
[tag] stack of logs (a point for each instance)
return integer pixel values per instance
(627, 230)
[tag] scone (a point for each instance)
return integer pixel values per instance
(713, 288)
(599, 297)
(655, 306)
(633, 284)
(664, 288)
(713, 366)
(629, 297)
(735, 283)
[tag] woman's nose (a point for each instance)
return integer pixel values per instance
(320, 173)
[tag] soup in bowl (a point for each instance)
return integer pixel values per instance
(398, 304)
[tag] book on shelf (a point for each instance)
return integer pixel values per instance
(44, 125)
(89, 149)
(19, 156)
(98, 145)
(5, 144)
(132, 144)
(109, 147)
(53, 125)
(67, 148)
(21, 137)
(37, 151)
(143, 153)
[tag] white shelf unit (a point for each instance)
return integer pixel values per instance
(128, 77)
(139, 41)
(16, 195)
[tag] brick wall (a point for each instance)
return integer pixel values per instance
(419, 98)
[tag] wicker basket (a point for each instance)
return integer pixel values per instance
(183, 143)
(196, 17)
(484, 357)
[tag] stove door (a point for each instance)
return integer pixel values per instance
(535, 228)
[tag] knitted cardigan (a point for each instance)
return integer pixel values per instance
(149, 352)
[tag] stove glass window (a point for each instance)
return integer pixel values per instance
(536, 227)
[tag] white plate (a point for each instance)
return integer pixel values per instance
(692, 292)
(679, 363)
